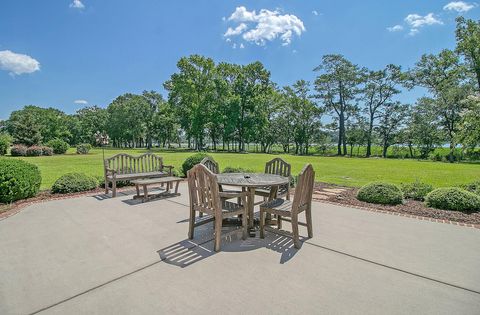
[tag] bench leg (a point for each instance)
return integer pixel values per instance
(145, 193)
(114, 189)
(138, 190)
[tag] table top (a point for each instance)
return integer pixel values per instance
(251, 179)
(157, 180)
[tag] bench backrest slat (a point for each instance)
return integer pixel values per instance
(127, 164)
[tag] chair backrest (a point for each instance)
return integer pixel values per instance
(304, 189)
(128, 164)
(278, 166)
(210, 164)
(203, 190)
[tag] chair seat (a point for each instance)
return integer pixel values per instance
(138, 175)
(278, 206)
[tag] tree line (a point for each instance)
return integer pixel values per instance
(225, 106)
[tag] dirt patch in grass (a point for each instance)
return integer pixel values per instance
(347, 196)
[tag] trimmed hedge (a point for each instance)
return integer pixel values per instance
(381, 193)
(5, 142)
(84, 148)
(18, 150)
(416, 190)
(74, 182)
(192, 160)
(58, 145)
(34, 151)
(18, 180)
(453, 198)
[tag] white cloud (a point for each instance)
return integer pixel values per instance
(77, 4)
(81, 102)
(395, 28)
(459, 6)
(265, 26)
(413, 32)
(17, 64)
(315, 12)
(417, 21)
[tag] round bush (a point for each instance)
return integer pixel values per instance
(192, 160)
(47, 151)
(84, 148)
(5, 142)
(18, 180)
(74, 182)
(416, 190)
(58, 145)
(34, 151)
(18, 150)
(381, 193)
(231, 169)
(473, 187)
(453, 198)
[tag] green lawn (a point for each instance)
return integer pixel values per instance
(337, 170)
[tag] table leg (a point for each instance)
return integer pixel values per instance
(145, 193)
(251, 201)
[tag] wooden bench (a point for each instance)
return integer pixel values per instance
(123, 167)
(169, 180)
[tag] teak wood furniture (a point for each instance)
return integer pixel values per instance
(169, 180)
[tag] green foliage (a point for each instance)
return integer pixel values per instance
(473, 187)
(453, 198)
(381, 193)
(74, 182)
(18, 180)
(192, 160)
(83, 148)
(5, 141)
(34, 150)
(47, 151)
(18, 150)
(58, 145)
(233, 169)
(416, 190)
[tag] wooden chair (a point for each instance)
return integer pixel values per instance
(205, 197)
(302, 201)
(211, 164)
(276, 166)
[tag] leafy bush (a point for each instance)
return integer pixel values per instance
(416, 190)
(192, 160)
(232, 169)
(47, 151)
(473, 187)
(5, 141)
(74, 182)
(18, 150)
(382, 193)
(34, 150)
(58, 145)
(18, 180)
(121, 183)
(453, 198)
(84, 148)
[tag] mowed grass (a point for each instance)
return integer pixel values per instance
(336, 170)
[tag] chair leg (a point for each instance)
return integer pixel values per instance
(218, 233)
(288, 192)
(279, 222)
(308, 215)
(191, 223)
(106, 187)
(262, 223)
(296, 238)
(114, 189)
(245, 225)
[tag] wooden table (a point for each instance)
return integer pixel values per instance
(169, 180)
(251, 181)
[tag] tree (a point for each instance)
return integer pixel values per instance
(390, 123)
(154, 100)
(468, 44)
(380, 87)
(24, 128)
(356, 133)
(469, 129)
(338, 87)
(445, 78)
(91, 119)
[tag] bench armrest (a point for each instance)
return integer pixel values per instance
(110, 171)
(170, 167)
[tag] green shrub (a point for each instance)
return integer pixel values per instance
(5, 141)
(121, 183)
(453, 198)
(382, 193)
(34, 150)
(84, 148)
(18, 180)
(473, 187)
(232, 169)
(192, 160)
(47, 151)
(416, 190)
(58, 145)
(74, 182)
(18, 150)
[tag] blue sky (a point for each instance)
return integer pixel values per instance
(53, 53)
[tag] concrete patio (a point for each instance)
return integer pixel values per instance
(98, 255)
